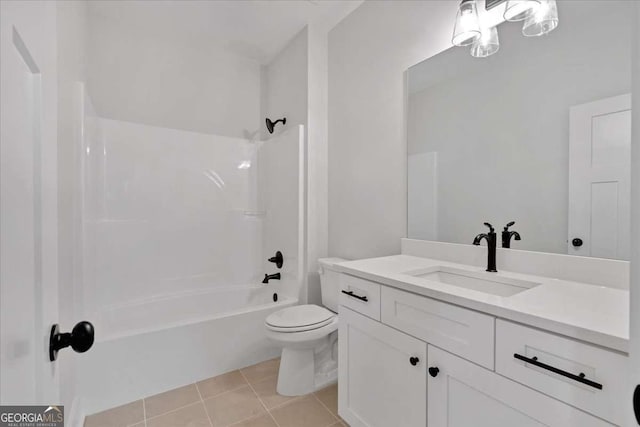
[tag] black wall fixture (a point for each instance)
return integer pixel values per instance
(490, 237)
(278, 259)
(80, 339)
(271, 124)
(507, 235)
(268, 277)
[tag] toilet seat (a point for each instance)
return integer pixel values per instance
(299, 318)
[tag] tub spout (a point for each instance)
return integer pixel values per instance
(268, 277)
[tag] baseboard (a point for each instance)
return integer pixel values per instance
(75, 414)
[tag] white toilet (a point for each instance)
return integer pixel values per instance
(308, 335)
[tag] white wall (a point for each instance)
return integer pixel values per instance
(317, 165)
(487, 122)
(136, 77)
(369, 51)
(285, 84)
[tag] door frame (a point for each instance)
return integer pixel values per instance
(634, 286)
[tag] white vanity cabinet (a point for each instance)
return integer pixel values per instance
(463, 394)
(409, 360)
(382, 371)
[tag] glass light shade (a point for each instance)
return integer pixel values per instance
(467, 28)
(487, 44)
(519, 10)
(543, 21)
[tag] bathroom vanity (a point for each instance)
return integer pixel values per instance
(432, 342)
(535, 139)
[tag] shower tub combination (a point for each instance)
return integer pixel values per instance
(175, 230)
(144, 349)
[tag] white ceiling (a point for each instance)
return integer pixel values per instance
(258, 29)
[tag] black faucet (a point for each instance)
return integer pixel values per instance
(268, 277)
(507, 235)
(278, 260)
(490, 237)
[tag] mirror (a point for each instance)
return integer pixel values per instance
(538, 133)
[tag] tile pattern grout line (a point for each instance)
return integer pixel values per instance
(325, 406)
(194, 402)
(203, 405)
(144, 411)
(260, 399)
(201, 400)
(171, 411)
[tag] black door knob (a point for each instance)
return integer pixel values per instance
(577, 242)
(433, 371)
(80, 339)
(414, 360)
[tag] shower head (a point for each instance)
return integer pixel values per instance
(271, 124)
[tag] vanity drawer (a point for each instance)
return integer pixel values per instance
(360, 295)
(563, 362)
(463, 332)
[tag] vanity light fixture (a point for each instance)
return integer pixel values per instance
(467, 28)
(542, 21)
(540, 17)
(487, 44)
(519, 10)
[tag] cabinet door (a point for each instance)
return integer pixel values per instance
(382, 374)
(463, 394)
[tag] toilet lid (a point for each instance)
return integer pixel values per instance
(300, 317)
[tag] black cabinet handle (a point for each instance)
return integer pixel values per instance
(414, 361)
(433, 371)
(577, 242)
(579, 378)
(351, 294)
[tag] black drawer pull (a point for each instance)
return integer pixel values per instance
(351, 294)
(579, 378)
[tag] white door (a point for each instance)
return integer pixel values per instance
(24, 377)
(382, 374)
(463, 394)
(599, 178)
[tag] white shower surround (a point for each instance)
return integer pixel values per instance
(174, 231)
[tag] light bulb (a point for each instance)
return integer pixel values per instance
(467, 28)
(487, 44)
(543, 21)
(518, 10)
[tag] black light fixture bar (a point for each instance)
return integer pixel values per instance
(490, 4)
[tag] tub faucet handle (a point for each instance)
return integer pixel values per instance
(278, 259)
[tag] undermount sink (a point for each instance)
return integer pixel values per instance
(490, 283)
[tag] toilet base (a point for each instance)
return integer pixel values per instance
(305, 370)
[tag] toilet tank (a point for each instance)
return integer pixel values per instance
(329, 282)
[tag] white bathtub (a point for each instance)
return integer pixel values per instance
(147, 347)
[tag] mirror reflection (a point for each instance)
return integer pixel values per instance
(536, 136)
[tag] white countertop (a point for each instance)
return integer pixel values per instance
(595, 314)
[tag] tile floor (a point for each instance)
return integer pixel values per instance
(242, 398)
